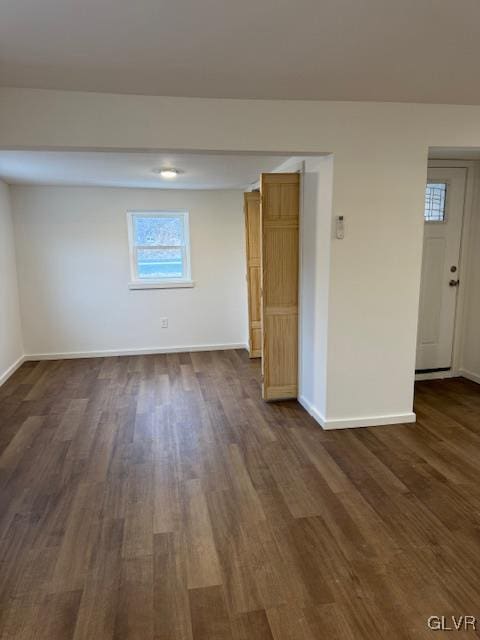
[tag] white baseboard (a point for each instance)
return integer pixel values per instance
(436, 375)
(11, 370)
(474, 377)
(108, 353)
(372, 421)
(313, 411)
(351, 423)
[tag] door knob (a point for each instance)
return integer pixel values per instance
(454, 283)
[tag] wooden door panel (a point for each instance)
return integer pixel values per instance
(253, 227)
(280, 255)
(281, 200)
(280, 352)
(253, 247)
(256, 338)
(255, 294)
(281, 266)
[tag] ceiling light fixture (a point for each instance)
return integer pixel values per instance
(167, 172)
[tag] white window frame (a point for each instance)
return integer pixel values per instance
(160, 283)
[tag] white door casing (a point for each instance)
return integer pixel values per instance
(438, 293)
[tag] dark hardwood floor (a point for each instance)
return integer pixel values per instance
(158, 497)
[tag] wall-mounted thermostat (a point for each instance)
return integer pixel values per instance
(340, 228)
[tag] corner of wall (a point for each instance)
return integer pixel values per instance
(11, 331)
(315, 245)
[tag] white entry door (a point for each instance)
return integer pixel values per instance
(444, 202)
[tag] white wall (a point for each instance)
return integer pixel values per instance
(380, 164)
(470, 277)
(73, 270)
(11, 348)
(316, 238)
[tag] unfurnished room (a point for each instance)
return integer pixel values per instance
(239, 320)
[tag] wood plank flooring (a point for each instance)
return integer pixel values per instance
(158, 497)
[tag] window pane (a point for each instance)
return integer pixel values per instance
(160, 263)
(157, 230)
(435, 196)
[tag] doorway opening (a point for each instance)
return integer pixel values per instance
(174, 223)
(443, 219)
(450, 235)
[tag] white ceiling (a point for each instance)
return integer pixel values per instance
(130, 169)
(387, 50)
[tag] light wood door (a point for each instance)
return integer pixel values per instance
(253, 244)
(445, 194)
(280, 222)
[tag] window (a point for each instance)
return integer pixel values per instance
(159, 249)
(435, 199)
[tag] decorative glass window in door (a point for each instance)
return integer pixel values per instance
(435, 200)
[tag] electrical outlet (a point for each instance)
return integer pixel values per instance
(164, 323)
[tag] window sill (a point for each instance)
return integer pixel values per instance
(182, 284)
